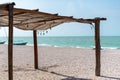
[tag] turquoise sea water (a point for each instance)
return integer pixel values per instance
(112, 42)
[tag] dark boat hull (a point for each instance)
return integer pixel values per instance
(22, 43)
(2, 42)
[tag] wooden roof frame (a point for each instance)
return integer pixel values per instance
(10, 17)
(33, 19)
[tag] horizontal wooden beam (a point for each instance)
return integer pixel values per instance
(90, 20)
(84, 21)
(98, 18)
(5, 5)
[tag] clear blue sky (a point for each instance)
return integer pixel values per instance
(109, 9)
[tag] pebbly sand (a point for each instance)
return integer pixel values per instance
(57, 63)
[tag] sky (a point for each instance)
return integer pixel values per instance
(87, 9)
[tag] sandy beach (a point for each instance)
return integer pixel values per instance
(57, 63)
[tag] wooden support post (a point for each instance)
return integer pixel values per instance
(10, 43)
(35, 50)
(97, 46)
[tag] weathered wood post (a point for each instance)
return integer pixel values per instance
(97, 46)
(35, 50)
(10, 42)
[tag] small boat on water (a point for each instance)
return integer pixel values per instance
(19, 43)
(2, 42)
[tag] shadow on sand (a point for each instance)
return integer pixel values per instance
(67, 77)
(75, 79)
(20, 69)
(110, 77)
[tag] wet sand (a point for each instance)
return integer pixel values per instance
(57, 63)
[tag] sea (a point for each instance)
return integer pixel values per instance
(107, 42)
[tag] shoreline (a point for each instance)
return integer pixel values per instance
(79, 47)
(45, 45)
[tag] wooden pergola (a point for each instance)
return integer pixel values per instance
(35, 20)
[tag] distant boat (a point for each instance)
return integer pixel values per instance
(2, 42)
(19, 43)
